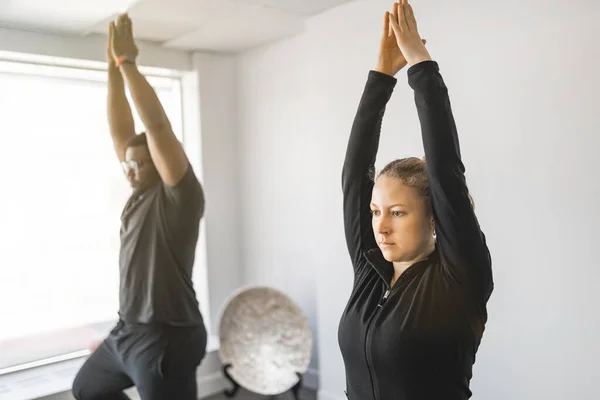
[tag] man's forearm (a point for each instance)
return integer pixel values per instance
(145, 99)
(120, 118)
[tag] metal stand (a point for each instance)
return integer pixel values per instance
(233, 391)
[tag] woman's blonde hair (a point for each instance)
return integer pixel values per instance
(412, 171)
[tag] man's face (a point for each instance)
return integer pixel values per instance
(139, 168)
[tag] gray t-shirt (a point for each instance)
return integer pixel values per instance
(159, 232)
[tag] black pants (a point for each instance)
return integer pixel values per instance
(160, 360)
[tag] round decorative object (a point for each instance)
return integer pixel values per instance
(266, 339)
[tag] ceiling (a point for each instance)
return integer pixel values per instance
(201, 25)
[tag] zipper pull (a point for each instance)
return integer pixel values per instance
(385, 296)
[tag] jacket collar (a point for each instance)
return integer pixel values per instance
(385, 268)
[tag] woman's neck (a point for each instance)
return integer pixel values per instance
(401, 266)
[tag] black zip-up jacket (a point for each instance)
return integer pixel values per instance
(416, 340)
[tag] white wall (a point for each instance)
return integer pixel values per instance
(523, 82)
(218, 109)
(278, 176)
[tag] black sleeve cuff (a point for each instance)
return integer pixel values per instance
(382, 78)
(421, 75)
(428, 65)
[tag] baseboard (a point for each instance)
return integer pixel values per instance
(323, 395)
(210, 385)
(310, 379)
(216, 383)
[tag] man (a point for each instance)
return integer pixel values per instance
(160, 338)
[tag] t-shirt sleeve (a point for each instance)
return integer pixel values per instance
(187, 196)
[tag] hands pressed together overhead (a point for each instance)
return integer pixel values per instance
(400, 43)
(121, 45)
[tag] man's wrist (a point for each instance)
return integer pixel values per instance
(127, 58)
(127, 66)
(114, 72)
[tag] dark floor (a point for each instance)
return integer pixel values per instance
(305, 394)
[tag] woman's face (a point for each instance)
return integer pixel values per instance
(402, 224)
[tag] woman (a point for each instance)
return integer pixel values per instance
(422, 269)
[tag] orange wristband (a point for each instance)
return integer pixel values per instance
(123, 59)
(119, 61)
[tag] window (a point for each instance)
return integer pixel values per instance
(60, 204)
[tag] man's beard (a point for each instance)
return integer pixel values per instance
(135, 184)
